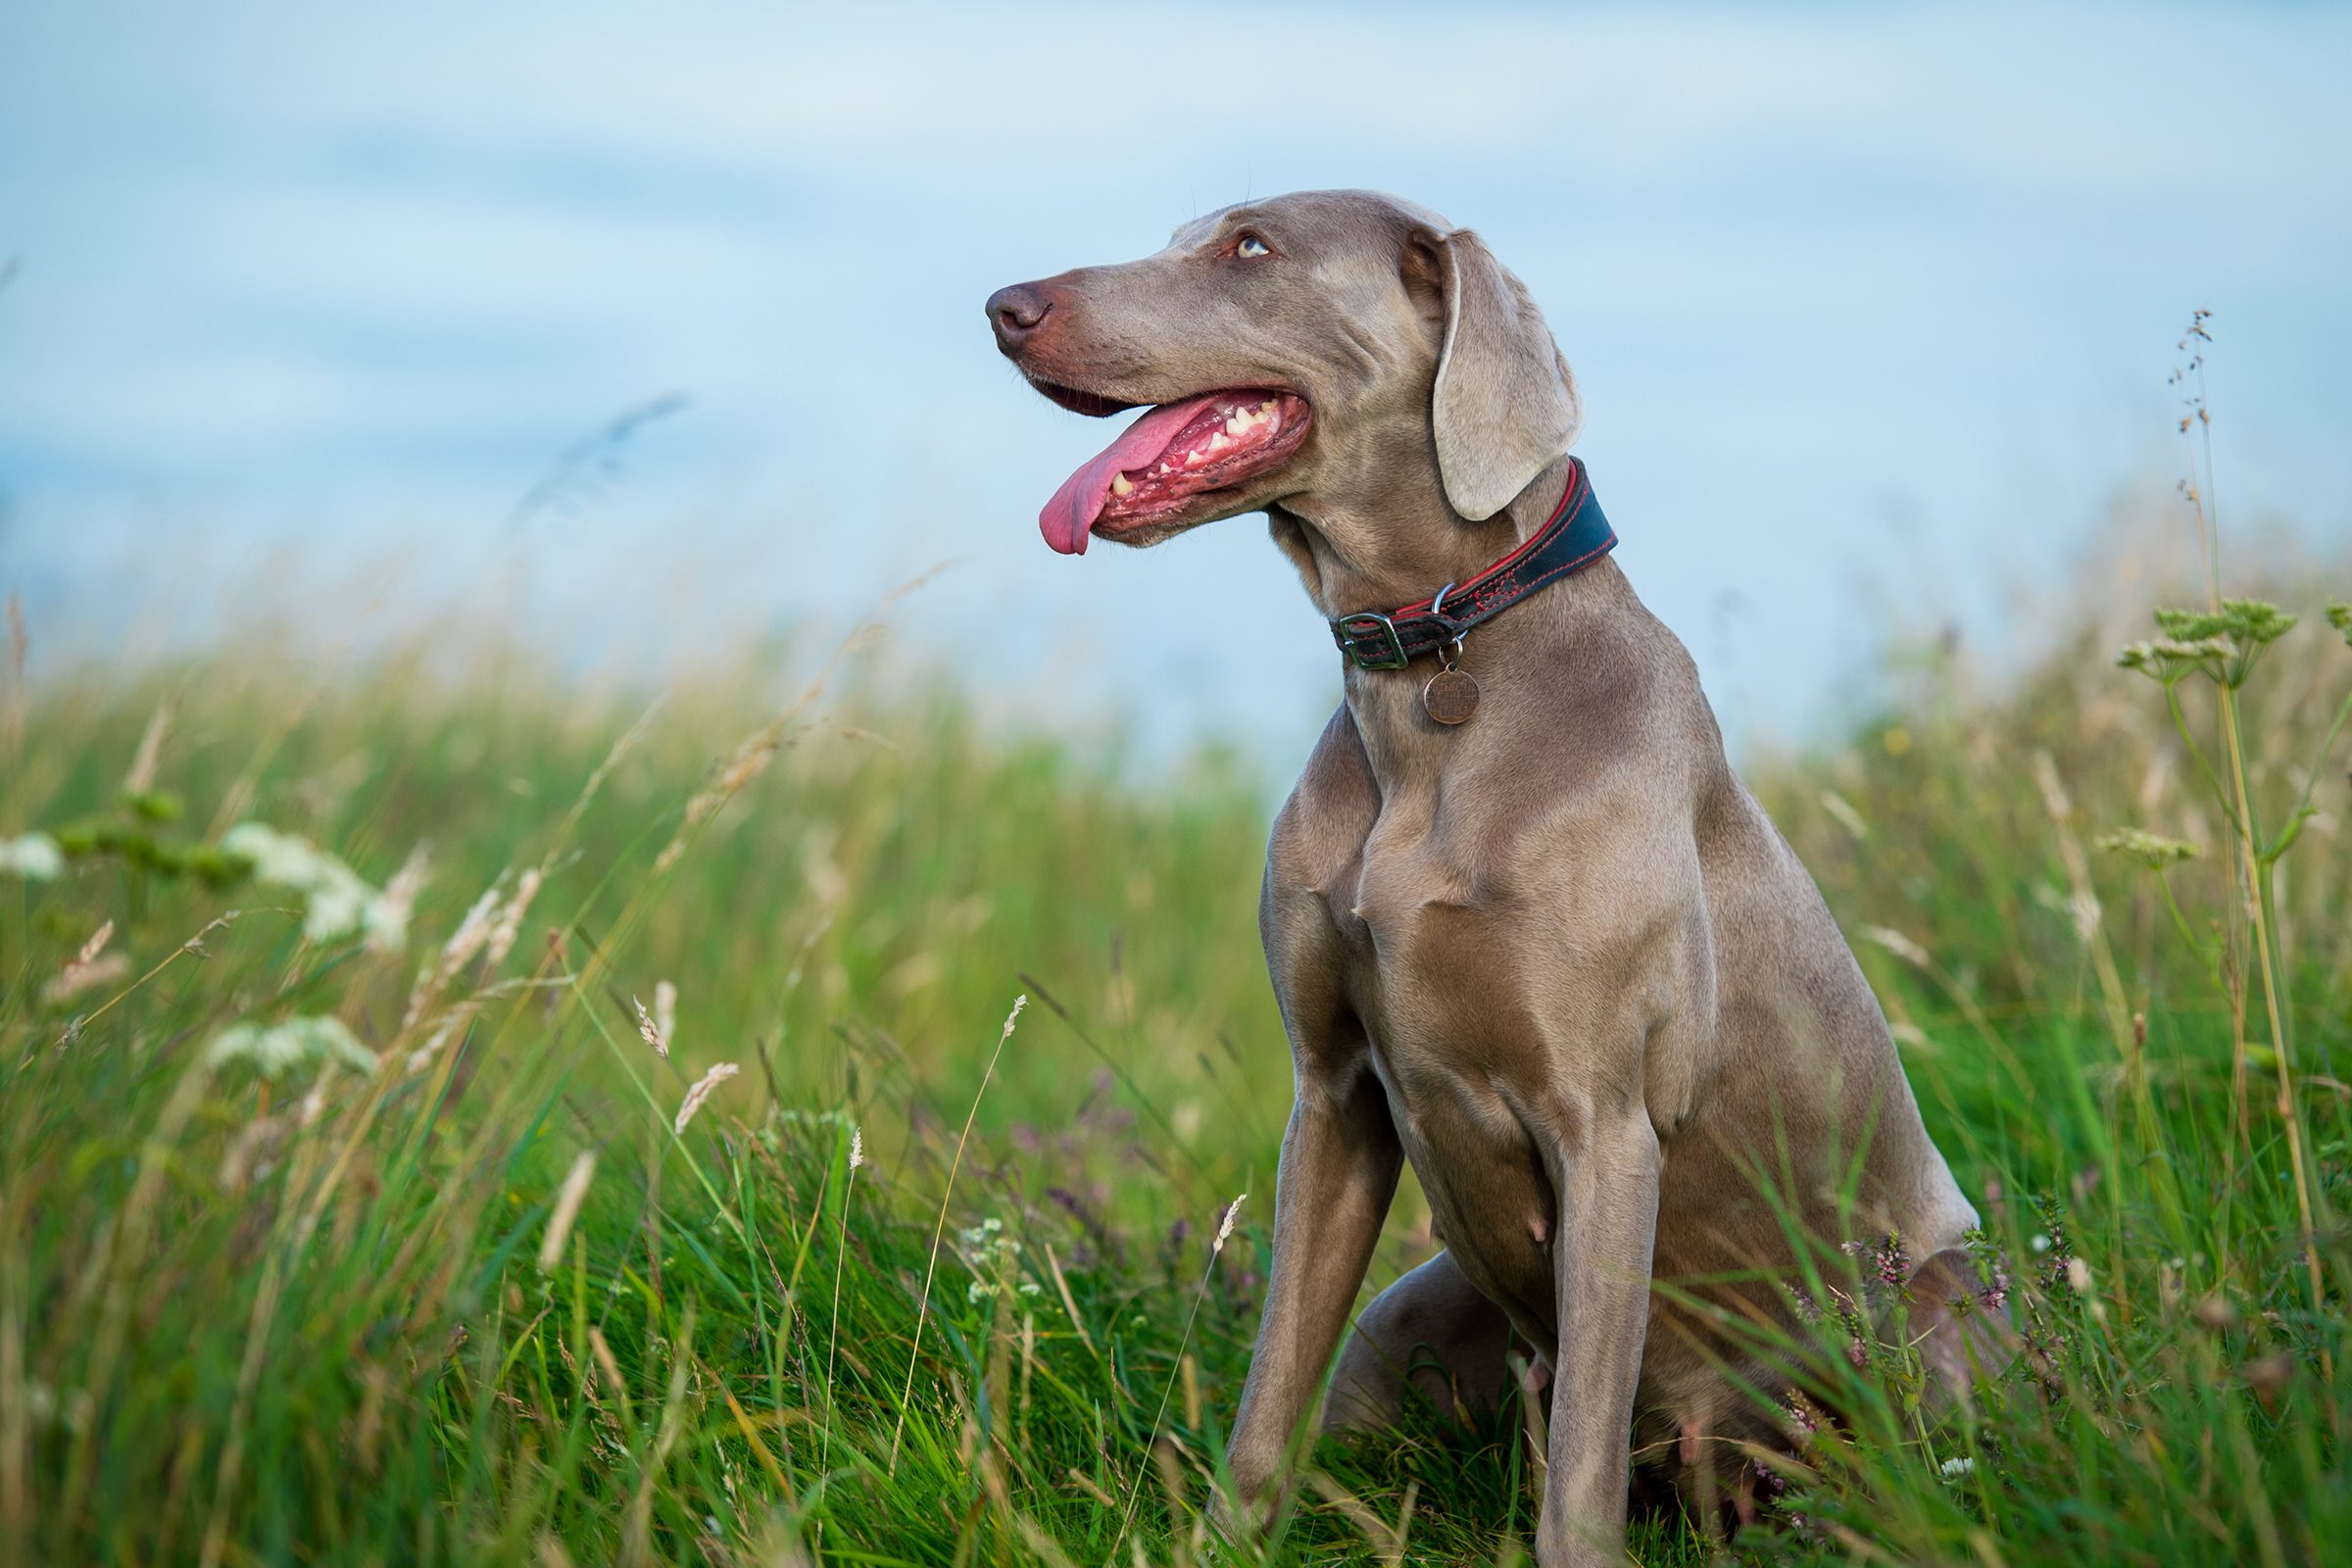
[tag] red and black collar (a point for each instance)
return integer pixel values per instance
(1573, 537)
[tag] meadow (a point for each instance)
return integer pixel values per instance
(456, 1114)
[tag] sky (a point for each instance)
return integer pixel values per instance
(1872, 309)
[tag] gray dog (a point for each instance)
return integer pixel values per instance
(1527, 927)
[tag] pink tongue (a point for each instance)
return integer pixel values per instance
(1072, 512)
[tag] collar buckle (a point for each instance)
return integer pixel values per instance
(1388, 648)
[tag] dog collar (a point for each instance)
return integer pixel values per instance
(1575, 536)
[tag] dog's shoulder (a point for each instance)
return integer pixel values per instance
(1321, 828)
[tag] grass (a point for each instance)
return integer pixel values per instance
(451, 1283)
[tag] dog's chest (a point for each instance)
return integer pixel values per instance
(1437, 957)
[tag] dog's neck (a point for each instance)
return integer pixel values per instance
(1402, 542)
(1423, 545)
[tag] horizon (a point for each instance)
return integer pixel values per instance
(322, 300)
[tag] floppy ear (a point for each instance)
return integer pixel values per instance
(1504, 404)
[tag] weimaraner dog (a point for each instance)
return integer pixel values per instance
(1527, 927)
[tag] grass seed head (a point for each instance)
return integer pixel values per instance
(703, 1087)
(650, 1031)
(666, 1009)
(501, 940)
(1225, 1225)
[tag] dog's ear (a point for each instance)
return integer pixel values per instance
(1504, 404)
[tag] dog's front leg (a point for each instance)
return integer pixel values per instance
(1608, 1192)
(1340, 1162)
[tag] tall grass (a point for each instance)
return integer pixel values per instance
(450, 1279)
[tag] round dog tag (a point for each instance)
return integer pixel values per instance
(1450, 696)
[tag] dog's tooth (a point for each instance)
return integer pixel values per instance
(1219, 442)
(1122, 485)
(1238, 424)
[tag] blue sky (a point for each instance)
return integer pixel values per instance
(1872, 309)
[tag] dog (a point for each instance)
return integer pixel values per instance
(1527, 927)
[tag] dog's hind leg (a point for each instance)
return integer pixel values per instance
(1433, 1333)
(1960, 1338)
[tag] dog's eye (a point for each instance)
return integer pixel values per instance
(1250, 248)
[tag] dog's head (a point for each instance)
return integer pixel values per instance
(1322, 342)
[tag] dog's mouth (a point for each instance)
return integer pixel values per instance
(1180, 461)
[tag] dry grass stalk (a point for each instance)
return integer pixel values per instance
(141, 776)
(464, 943)
(399, 898)
(755, 751)
(1533, 1418)
(636, 1537)
(841, 1252)
(1182, 1343)
(568, 1200)
(1070, 1302)
(940, 1230)
(596, 780)
(1386, 1541)
(92, 966)
(508, 927)
(1901, 946)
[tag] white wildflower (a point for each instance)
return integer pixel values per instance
(34, 857)
(274, 1049)
(338, 907)
(857, 1147)
(704, 1088)
(1954, 1469)
(336, 901)
(993, 1257)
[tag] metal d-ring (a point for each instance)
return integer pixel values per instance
(1436, 608)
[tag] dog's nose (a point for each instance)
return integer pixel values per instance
(1015, 313)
